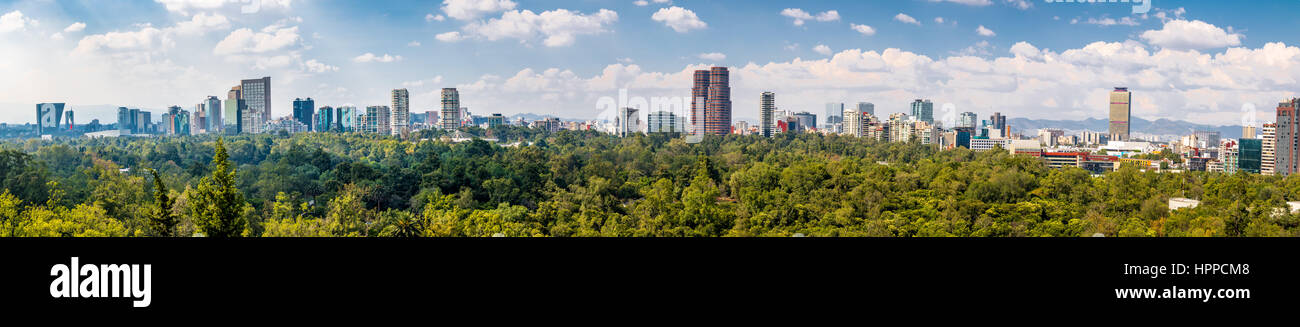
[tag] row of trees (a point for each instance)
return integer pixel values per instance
(571, 184)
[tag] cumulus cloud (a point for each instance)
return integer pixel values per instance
(75, 27)
(864, 29)
(800, 16)
(186, 6)
(473, 9)
(14, 21)
(203, 23)
(978, 3)
(713, 56)
(1182, 34)
(904, 18)
(246, 41)
(556, 28)
(452, 36)
(370, 57)
(822, 49)
(984, 31)
(679, 19)
(318, 67)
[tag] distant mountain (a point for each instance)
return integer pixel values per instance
(1159, 127)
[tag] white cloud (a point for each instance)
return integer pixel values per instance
(1020, 4)
(679, 19)
(938, 20)
(643, 3)
(184, 7)
(713, 56)
(246, 41)
(1182, 34)
(473, 9)
(318, 67)
(370, 57)
(413, 44)
(983, 31)
(979, 3)
(864, 29)
(822, 49)
(147, 38)
(432, 17)
(557, 28)
(452, 36)
(202, 23)
(75, 27)
(14, 21)
(1107, 21)
(800, 16)
(901, 17)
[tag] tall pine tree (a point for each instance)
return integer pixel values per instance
(163, 222)
(217, 205)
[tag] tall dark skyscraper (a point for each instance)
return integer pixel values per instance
(303, 109)
(767, 104)
(1288, 145)
(999, 122)
(923, 110)
(711, 102)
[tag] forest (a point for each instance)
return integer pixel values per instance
(589, 184)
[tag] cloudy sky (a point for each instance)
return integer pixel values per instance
(1200, 61)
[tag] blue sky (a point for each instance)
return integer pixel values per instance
(1195, 60)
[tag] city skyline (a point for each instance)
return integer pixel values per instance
(1189, 62)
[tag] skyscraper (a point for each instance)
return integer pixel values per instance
(257, 103)
(124, 120)
(214, 119)
(1249, 155)
(325, 118)
(867, 108)
(968, 120)
(834, 110)
(1249, 132)
(1288, 146)
(999, 122)
(711, 102)
(347, 117)
(923, 110)
(233, 118)
(1268, 156)
(807, 121)
(303, 109)
(1120, 110)
(401, 115)
(628, 122)
(450, 108)
(767, 104)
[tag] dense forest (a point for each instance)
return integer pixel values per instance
(581, 184)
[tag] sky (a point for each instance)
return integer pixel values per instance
(1200, 61)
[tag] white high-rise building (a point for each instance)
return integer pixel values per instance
(450, 108)
(401, 112)
(628, 122)
(1268, 159)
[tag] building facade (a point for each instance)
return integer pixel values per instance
(1268, 155)
(234, 111)
(450, 108)
(923, 110)
(303, 109)
(766, 106)
(1121, 109)
(711, 102)
(401, 115)
(257, 103)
